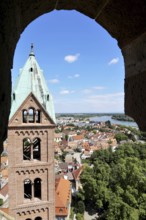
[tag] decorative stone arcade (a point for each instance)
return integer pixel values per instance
(124, 20)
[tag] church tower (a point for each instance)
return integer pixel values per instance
(30, 146)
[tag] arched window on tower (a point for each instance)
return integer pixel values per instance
(28, 219)
(31, 69)
(14, 96)
(38, 116)
(26, 149)
(31, 115)
(37, 188)
(27, 189)
(24, 116)
(48, 97)
(37, 149)
(38, 218)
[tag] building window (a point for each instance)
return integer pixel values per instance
(38, 118)
(31, 115)
(38, 218)
(37, 188)
(24, 116)
(26, 149)
(27, 189)
(28, 219)
(14, 96)
(31, 69)
(37, 149)
(47, 97)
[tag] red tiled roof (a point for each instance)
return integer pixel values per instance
(77, 173)
(4, 190)
(62, 196)
(78, 137)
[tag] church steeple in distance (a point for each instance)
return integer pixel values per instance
(31, 80)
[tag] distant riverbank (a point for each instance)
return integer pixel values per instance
(113, 121)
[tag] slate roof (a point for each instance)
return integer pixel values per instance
(31, 80)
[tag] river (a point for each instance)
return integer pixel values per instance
(113, 121)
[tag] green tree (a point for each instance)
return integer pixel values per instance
(121, 137)
(1, 202)
(79, 216)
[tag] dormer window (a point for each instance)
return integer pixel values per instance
(14, 96)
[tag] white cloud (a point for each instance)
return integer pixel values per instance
(71, 58)
(98, 87)
(74, 76)
(66, 92)
(87, 91)
(97, 103)
(113, 61)
(54, 81)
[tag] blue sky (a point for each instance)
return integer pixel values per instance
(82, 64)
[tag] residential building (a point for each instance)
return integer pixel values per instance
(62, 199)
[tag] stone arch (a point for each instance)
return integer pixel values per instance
(38, 218)
(36, 148)
(24, 116)
(31, 115)
(27, 189)
(26, 149)
(37, 188)
(38, 116)
(124, 20)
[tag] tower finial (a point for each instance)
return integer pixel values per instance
(31, 51)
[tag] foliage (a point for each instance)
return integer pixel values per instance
(122, 117)
(79, 216)
(121, 137)
(1, 201)
(117, 182)
(71, 213)
(66, 137)
(81, 207)
(62, 157)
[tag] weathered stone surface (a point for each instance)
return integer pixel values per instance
(135, 99)
(124, 20)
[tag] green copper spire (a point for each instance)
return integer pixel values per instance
(31, 80)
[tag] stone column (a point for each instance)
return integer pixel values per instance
(135, 81)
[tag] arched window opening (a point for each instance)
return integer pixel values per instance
(37, 188)
(38, 218)
(14, 96)
(38, 118)
(31, 69)
(26, 149)
(31, 115)
(37, 149)
(28, 219)
(24, 116)
(47, 97)
(27, 189)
